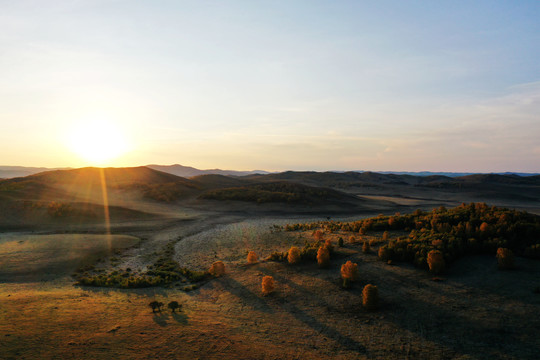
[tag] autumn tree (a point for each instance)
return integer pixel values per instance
(217, 269)
(370, 297)
(435, 260)
(252, 257)
(267, 285)
(293, 256)
(323, 256)
(349, 273)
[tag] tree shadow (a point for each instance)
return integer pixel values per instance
(180, 317)
(310, 320)
(246, 296)
(161, 318)
(446, 324)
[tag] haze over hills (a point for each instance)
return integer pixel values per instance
(188, 171)
(7, 172)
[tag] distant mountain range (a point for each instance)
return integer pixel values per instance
(7, 172)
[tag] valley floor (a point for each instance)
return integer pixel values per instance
(475, 312)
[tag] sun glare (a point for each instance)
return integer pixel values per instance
(97, 141)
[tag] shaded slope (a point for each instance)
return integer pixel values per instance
(280, 192)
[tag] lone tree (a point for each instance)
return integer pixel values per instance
(155, 305)
(267, 285)
(252, 257)
(173, 305)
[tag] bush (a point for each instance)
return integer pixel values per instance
(323, 257)
(435, 260)
(370, 297)
(217, 269)
(352, 239)
(267, 285)
(293, 256)
(340, 242)
(318, 234)
(505, 258)
(252, 257)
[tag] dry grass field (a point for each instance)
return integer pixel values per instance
(473, 312)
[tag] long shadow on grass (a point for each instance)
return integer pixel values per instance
(160, 319)
(441, 324)
(180, 318)
(310, 320)
(245, 295)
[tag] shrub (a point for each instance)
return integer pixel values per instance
(277, 256)
(252, 257)
(370, 297)
(365, 247)
(349, 273)
(217, 269)
(384, 253)
(435, 260)
(340, 242)
(293, 256)
(352, 239)
(323, 257)
(505, 258)
(385, 235)
(267, 285)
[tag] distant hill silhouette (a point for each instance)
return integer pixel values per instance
(7, 172)
(188, 171)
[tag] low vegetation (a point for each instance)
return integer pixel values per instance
(468, 229)
(164, 271)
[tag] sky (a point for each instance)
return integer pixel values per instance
(273, 85)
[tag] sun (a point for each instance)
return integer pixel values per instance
(97, 141)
